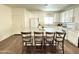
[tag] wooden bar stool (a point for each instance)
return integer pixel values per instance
(27, 41)
(38, 40)
(49, 42)
(59, 38)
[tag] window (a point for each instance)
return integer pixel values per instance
(34, 22)
(48, 20)
(48, 23)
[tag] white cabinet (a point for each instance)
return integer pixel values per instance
(76, 15)
(73, 37)
(62, 17)
(70, 14)
(67, 16)
(71, 19)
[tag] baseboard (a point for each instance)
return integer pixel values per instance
(10, 36)
(17, 34)
(5, 38)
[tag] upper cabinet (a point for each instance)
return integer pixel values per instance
(56, 17)
(62, 17)
(67, 16)
(76, 15)
(70, 14)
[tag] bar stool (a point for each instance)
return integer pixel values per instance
(27, 41)
(59, 38)
(49, 42)
(38, 40)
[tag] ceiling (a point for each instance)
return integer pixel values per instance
(41, 7)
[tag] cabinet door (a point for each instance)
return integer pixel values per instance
(72, 37)
(67, 19)
(76, 15)
(62, 17)
(69, 16)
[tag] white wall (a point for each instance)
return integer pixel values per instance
(21, 18)
(18, 18)
(5, 22)
(12, 21)
(15, 20)
(27, 20)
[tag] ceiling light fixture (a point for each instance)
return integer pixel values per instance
(45, 5)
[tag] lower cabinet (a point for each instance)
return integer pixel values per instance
(73, 37)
